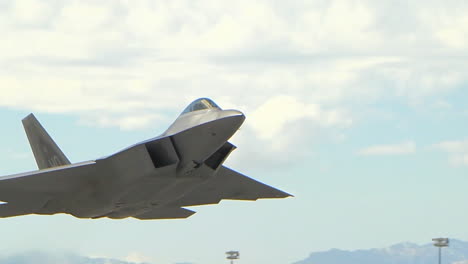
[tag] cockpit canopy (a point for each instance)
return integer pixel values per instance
(201, 104)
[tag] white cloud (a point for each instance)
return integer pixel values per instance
(30, 12)
(448, 24)
(136, 121)
(283, 129)
(307, 63)
(173, 44)
(457, 150)
(407, 147)
(453, 146)
(271, 118)
(71, 17)
(340, 25)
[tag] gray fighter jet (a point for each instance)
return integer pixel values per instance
(153, 179)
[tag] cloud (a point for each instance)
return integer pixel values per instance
(457, 150)
(30, 12)
(283, 130)
(307, 63)
(407, 147)
(126, 46)
(270, 119)
(131, 121)
(453, 146)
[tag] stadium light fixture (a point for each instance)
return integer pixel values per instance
(232, 255)
(440, 243)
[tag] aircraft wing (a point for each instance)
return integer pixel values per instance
(231, 185)
(28, 192)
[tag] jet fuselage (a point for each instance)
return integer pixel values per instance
(159, 171)
(154, 179)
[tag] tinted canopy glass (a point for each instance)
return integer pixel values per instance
(200, 104)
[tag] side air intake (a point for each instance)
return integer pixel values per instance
(215, 160)
(162, 152)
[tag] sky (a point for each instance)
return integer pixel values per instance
(357, 108)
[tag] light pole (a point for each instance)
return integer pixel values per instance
(232, 255)
(440, 243)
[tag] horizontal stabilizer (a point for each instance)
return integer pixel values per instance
(45, 150)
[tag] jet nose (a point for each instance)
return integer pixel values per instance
(200, 142)
(231, 120)
(236, 118)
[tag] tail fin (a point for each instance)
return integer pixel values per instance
(46, 152)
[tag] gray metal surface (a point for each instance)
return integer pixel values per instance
(153, 179)
(44, 148)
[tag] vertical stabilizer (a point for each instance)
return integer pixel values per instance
(46, 152)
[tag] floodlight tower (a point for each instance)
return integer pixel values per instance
(440, 243)
(232, 255)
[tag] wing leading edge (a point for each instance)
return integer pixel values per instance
(230, 185)
(227, 184)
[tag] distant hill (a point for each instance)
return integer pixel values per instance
(49, 258)
(403, 253)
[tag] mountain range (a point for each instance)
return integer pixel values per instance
(57, 258)
(403, 253)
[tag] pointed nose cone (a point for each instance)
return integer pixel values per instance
(233, 117)
(200, 142)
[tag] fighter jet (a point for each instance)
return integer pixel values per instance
(153, 179)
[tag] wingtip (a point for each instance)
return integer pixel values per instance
(277, 195)
(286, 195)
(283, 194)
